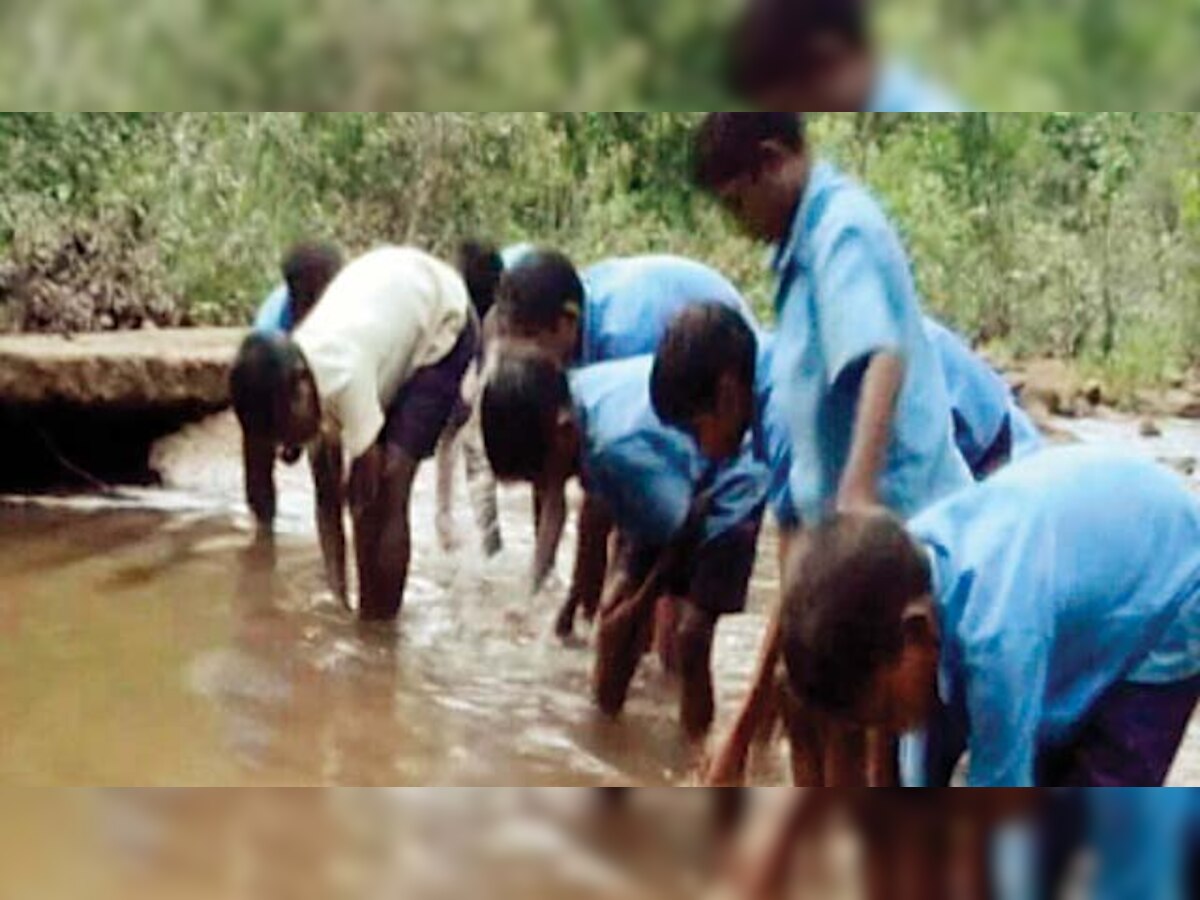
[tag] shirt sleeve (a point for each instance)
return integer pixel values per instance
(274, 316)
(1005, 695)
(648, 499)
(856, 314)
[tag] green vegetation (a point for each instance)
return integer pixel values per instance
(1074, 235)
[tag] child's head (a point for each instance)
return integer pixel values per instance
(804, 55)
(529, 427)
(860, 634)
(273, 392)
(703, 377)
(308, 269)
(541, 301)
(481, 267)
(756, 165)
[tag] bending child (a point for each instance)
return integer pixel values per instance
(616, 309)
(1046, 621)
(374, 373)
(685, 527)
(854, 375)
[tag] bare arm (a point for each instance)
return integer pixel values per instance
(881, 385)
(551, 504)
(729, 765)
(591, 565)
(326, 460)
(258, 458)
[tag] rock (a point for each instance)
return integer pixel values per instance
(151, 371)
(1149, 429)
(1093, 392)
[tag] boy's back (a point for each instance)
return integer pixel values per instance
(1064, 575)
(389, 313)
(645, 471)
(631, 300)
(846, 294)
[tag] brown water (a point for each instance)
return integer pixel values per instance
(146, 639)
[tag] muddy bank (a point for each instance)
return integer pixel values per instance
(74, 410)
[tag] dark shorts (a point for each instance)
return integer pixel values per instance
(430, 398)
(998, 455)
(1130, 739)
(716, 578)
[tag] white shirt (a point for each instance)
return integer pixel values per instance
(388, 314)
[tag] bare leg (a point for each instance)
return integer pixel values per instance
(385, 565)
(697, 629)
(619, 642)
(446, 451)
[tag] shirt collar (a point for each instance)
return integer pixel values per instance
(808, 210)
(946, 685)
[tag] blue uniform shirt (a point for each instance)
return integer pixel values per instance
(512, 255)
(276, 314)
(647, 472)
(771, 440)
(630, 301)
(845, 294)
(1065, 574)
(981, 401)
(899, 89)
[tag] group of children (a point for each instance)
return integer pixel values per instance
(945, 576)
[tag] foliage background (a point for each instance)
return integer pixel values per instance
(1074, 235)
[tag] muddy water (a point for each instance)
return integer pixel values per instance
(145, 638)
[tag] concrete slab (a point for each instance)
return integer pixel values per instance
(149, 370)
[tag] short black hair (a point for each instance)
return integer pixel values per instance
(308, 269)
(482, 267)
(260, 381)
(701, 344)
(729, 145)
(772, 42)
(539, 290)
(523, 394)
(844, 599)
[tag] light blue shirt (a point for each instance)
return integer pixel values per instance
(846, 293)
(981, 401)
(630, 301)
(771, 440)
(646, 472)
(511, 256)
(899, 89)
(1065, 574)
(1141, 842)
(276, 314)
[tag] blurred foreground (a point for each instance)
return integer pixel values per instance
(511, 844)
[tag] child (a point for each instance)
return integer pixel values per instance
(1046, 621)
(860, 385)
(375, 373)
(616, 309)
(820, 56)
(481, 266)
(990, 428)
(544, 427)
(307, 270)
